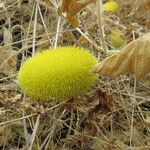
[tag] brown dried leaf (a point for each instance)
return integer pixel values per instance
(133, 58)
(74, 20)
(82, 40)
(103, 107)
(72, 7)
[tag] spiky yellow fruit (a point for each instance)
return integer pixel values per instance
(117, 39)
(111, 6)
(59, 73)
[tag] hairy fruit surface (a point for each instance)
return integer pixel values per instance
(59, 73)
(111, 6)
(117, 39)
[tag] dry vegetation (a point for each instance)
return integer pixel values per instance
(114, 115)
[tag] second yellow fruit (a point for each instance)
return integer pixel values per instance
(111, 6)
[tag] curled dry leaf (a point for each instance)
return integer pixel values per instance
(134, 58)
(72, 7)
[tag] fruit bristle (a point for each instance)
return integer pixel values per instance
(59, 73)
(111, 6)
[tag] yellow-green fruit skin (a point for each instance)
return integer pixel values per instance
(59, 73)
(111, 6)
(117, 39)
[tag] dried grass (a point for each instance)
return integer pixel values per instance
(115, 119)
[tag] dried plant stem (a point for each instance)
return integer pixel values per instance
(11, 76)
(71, 122)
(18, 119)
(71, 126)
(39, 36)
(78, 29)
(131, 128)
(101, 26)
(28, 116)
(61, 103)
(29, 27)
(34, 29)
(132, 117)
(57, 31)
(46, 30)
(34, 132)
(47, 141)
(91, 42)
(6, 8)
(25, 127)
(49, 136)
(53, 130)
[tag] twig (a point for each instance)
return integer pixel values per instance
(100, 23)
(96, 46)
(28, 116)
(57, 32)
(34, 132)
(29, 27)
(18, 119)
(11, 76)
(17, 52)
(78, 29)
(53, 130)
(25, 127)
(63, 102)
(34, 29)
(133, 107)
(39, 36)
(43, 22)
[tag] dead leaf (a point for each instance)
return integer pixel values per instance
(72, 7)
(134, 58)
(82, 40)
(74, 20)
(103, 107)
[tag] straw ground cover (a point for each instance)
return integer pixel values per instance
(114, 114)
